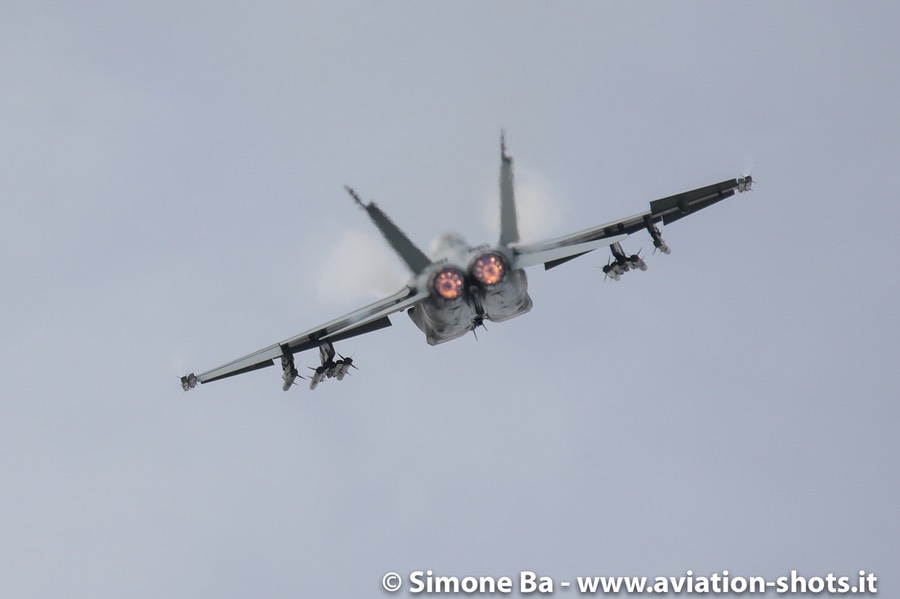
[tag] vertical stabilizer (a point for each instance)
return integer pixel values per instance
(509, 223)
(414, 258)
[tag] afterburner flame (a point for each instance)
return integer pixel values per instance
(488, 269)
(449, 283)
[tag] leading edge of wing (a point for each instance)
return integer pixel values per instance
(580, 242)
(668, 210)
(559, 249)
(680, 205)
(365, 320)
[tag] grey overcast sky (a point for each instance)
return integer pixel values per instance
(171, 193)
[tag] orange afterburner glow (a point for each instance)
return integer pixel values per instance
(449, 283)
(488, 269)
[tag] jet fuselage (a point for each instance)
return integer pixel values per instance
(467, 286)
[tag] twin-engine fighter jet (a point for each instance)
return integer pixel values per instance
(460, 286)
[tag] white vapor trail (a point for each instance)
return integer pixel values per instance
(358, 266)
(540, 211)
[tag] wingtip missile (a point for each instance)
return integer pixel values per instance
(189, 381)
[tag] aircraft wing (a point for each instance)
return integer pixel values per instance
(553, 252)
(365, 320)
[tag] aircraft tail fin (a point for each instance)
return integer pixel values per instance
(509, 223)
(414, 258)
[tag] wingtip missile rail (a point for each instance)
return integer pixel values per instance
(189, 381)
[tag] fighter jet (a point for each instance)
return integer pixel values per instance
(460, 286)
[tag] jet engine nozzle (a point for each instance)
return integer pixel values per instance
(449, 283)
(489, 268)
